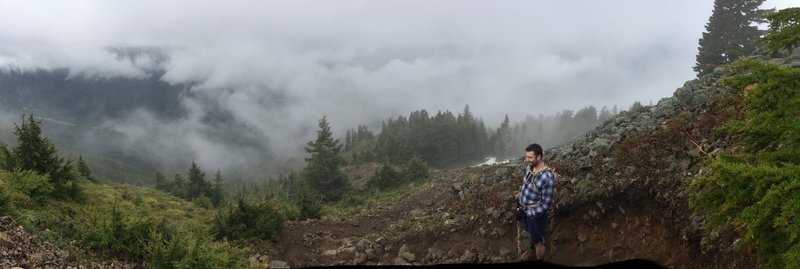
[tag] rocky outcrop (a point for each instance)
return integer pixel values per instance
(694, 97)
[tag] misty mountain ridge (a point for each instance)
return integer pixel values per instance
(147, 123)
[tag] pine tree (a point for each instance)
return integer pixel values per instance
(6, 159)
(504, 139)
(84, 170)
(348, 141)
(729, 34)
(179, 186)
(197, 185)
(217, 193)
(35, 152)
(322, 166)
(784, 30)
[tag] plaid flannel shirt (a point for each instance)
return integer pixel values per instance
(537, 190)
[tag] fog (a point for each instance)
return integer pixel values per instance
(278, 66)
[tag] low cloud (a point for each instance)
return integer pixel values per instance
(276, 67)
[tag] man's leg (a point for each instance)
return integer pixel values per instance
(539, 226)
(530, 253)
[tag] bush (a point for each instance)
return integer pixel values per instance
(757, 190)
(5, 202)
(164, 250)
(310, 205)
(6, 159)
(416, 169)
(248, 219)
(203, 201)
(385, 178)
(36, 186)
(75, 191)
(119, 236)
(168, 252)
(201, 254)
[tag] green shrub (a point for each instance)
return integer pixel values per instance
(248, 219)
(200, 254)
(164, 250)
(310, 205)
(168, 249)
(757, 190)
(75, 191)
(385, 178)
(416, 169)
(5, 202)
(36, 186)
(119, 236)
(6, 158)
(203, 201)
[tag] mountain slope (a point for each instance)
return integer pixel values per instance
(621, 195)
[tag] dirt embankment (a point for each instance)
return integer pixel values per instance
(464, 216)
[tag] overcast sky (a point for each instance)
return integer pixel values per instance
(280, 65)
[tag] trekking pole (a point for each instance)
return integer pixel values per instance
(519, 250)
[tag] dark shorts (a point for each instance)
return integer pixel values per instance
(536, 228)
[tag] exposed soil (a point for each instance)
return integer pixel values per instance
(610, 229)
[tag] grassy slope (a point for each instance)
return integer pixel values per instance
(65, 223)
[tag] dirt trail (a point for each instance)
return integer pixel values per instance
(304, 243)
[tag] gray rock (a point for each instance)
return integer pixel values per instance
(360, 259)
(409, 257)
(279, 264)
(504, 252)
(363, 244)
(468, 257)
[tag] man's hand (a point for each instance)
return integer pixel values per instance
(516, 195)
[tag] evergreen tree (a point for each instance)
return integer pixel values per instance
(348, 141)
(729, 34)
(84, 170)
(6, 159)
(322, 171)
(197, 185)
(35, 152)
(217, 193)
(504, 139)
(784, 30)
(179, 186)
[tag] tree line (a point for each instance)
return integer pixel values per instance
(194, 187)
(444, 139)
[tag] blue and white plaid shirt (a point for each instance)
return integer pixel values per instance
(536, 194)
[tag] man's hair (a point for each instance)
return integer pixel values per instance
(537, 150)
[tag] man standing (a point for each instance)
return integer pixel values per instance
(536, 198)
